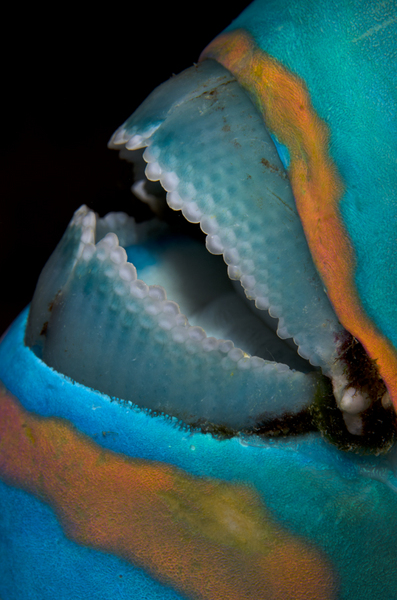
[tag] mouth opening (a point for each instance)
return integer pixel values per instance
(111, 282)
(197, 280)
(232, 337)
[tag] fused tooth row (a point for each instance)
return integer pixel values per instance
(84, 220)
(111, 331)
(154, 298)
(220, 241)
(205, 152)
(169, 318)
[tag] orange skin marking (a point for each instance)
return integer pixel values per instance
(208, 539)
(284, 101)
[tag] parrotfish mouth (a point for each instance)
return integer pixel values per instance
(257, 350)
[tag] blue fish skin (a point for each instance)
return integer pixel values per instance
(343, 504)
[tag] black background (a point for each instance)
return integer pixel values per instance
(69, 80)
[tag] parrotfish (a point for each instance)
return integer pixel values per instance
(203, 406)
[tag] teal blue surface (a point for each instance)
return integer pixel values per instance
(42, 563)
(346, 52)
(345, 504)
